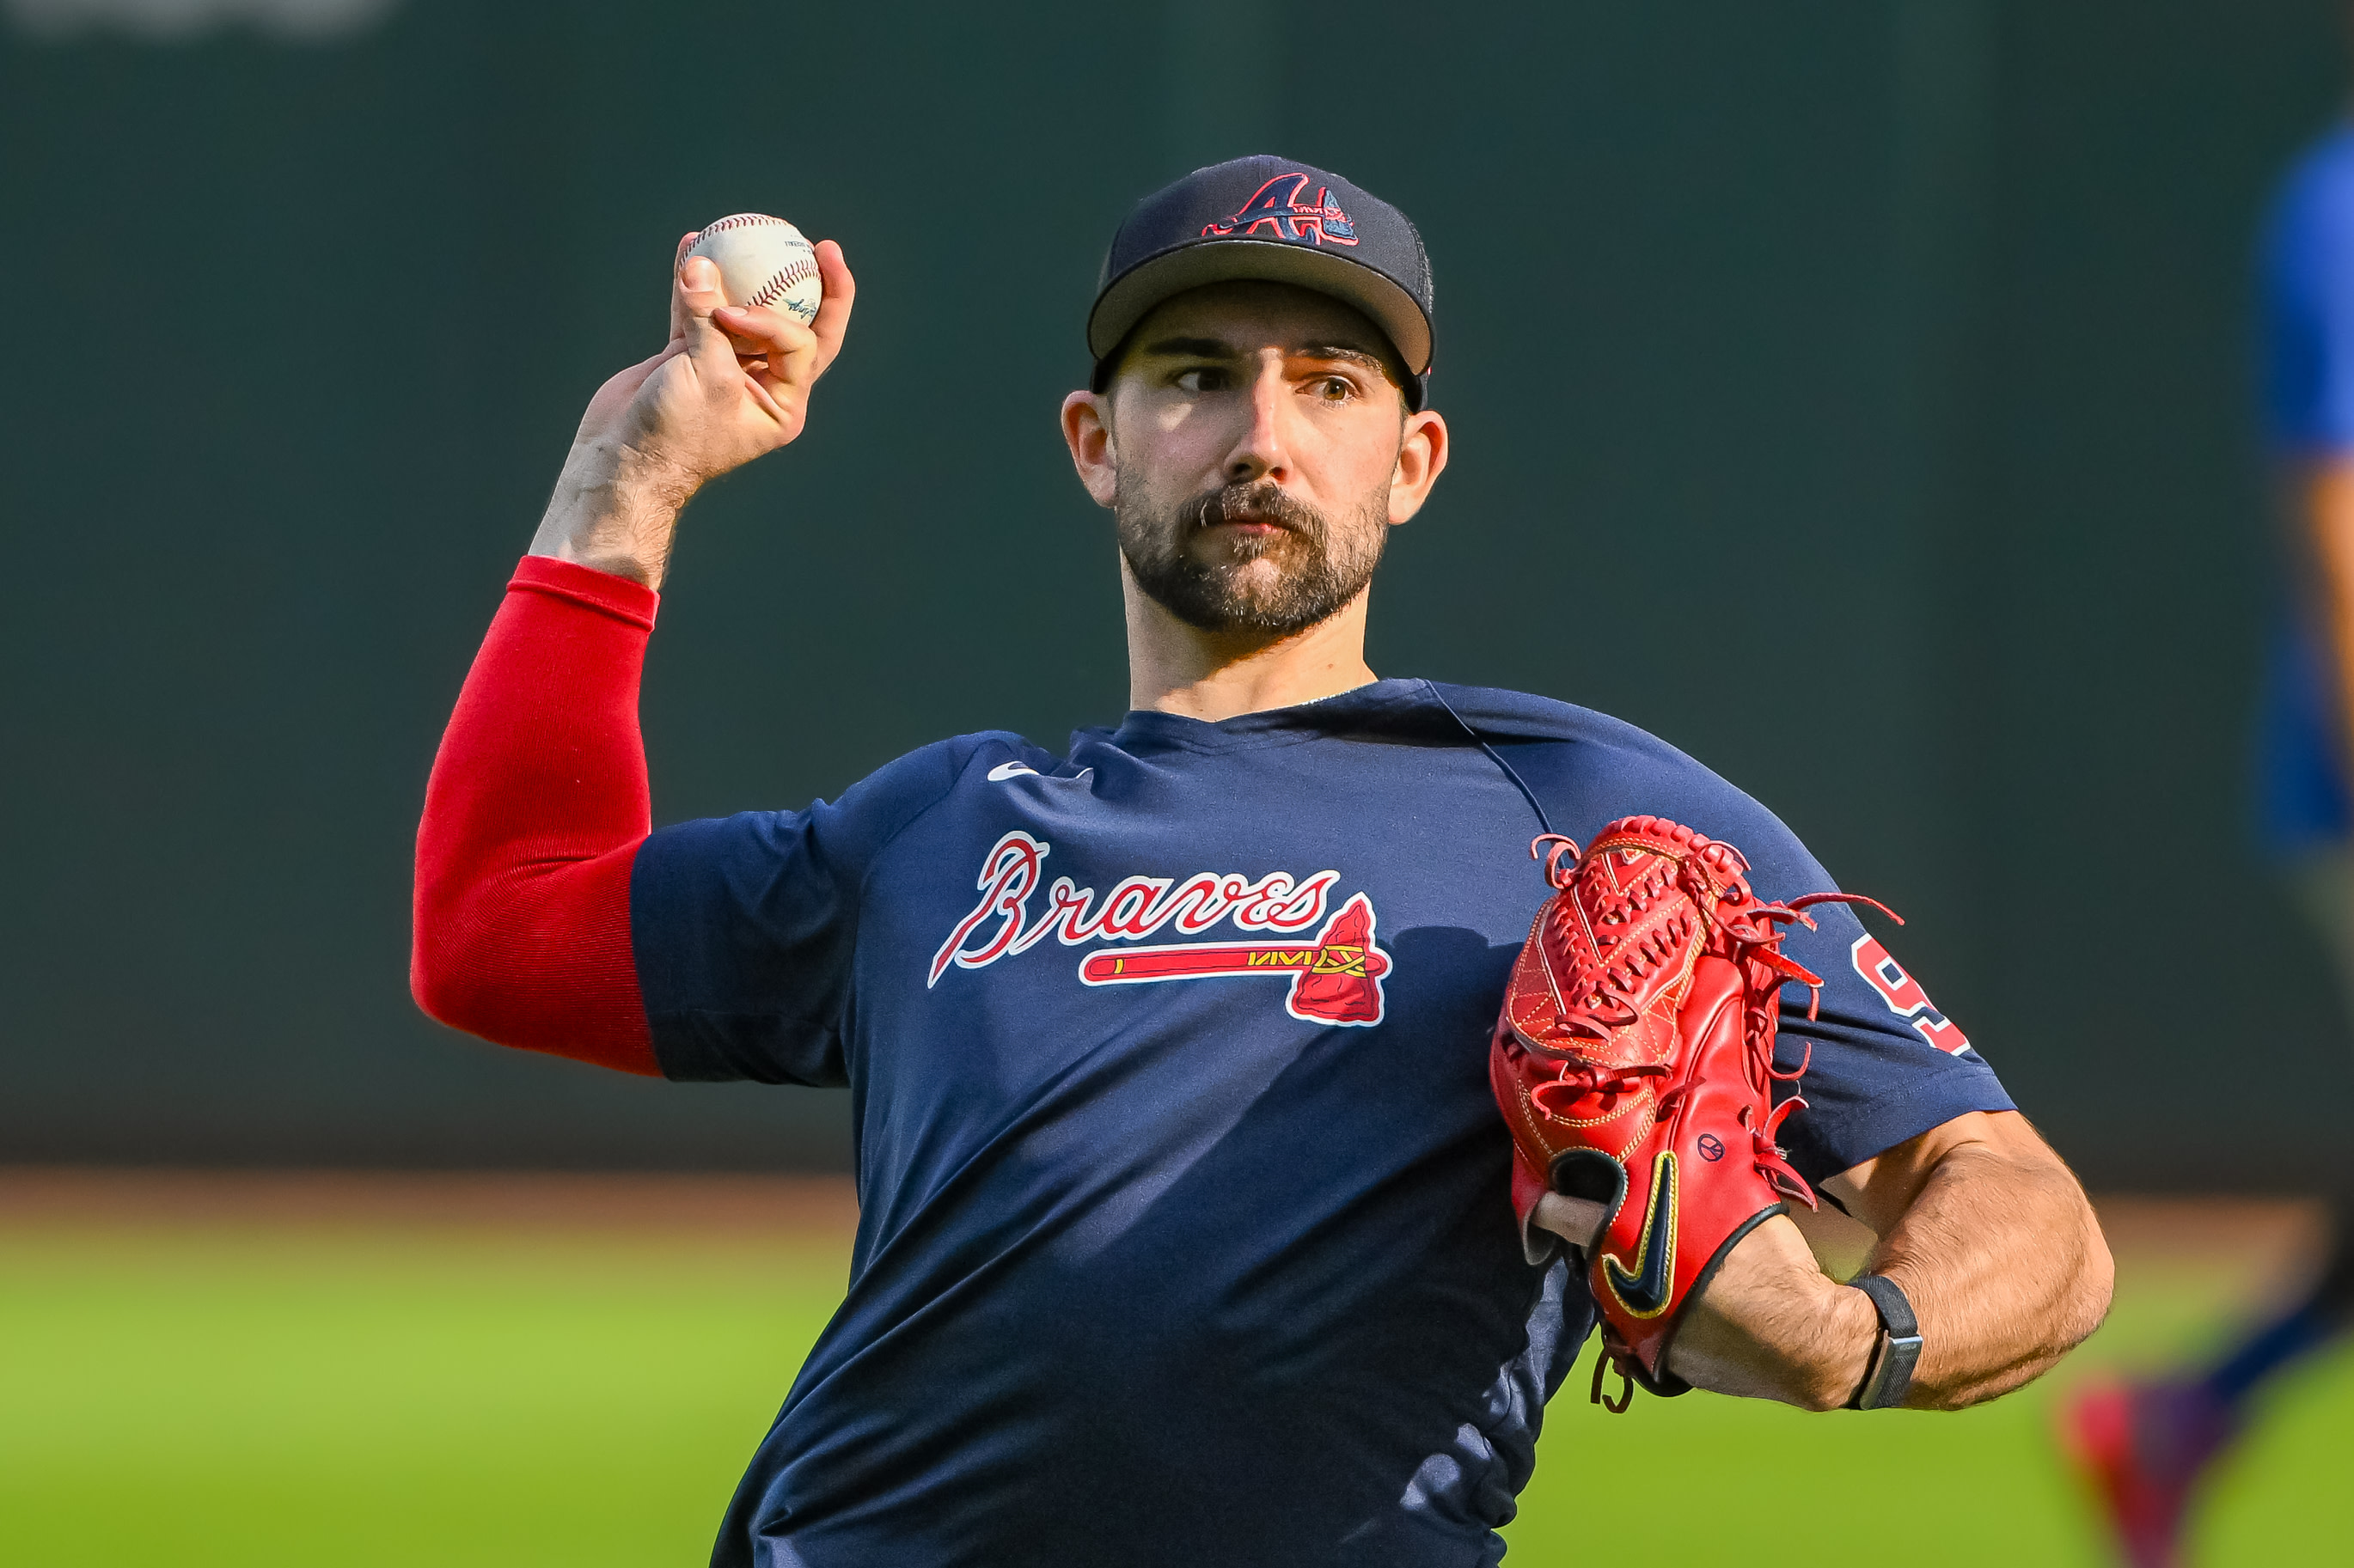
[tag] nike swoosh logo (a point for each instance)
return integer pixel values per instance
(1004, 770)
(1645, 1292)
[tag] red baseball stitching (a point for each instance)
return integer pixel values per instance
(743, 220)
(781, 283)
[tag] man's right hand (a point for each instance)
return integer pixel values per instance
(732, 383)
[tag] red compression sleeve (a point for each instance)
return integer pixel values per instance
(536, 807)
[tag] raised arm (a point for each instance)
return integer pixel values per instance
(538, 798)
(1981, 1225)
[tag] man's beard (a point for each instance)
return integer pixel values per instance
(1319, 569)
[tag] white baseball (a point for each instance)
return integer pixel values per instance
(762, 260)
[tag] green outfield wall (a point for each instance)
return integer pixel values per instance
(1856, 395)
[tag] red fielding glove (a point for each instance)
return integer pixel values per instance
(1634, 1063)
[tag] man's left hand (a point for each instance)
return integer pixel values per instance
(1981, 1225)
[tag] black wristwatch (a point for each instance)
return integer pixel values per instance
(1889, 1374)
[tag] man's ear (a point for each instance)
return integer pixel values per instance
(1422, 458)
(1087, 430)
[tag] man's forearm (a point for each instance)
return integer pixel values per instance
(2005, 1266)
(611, 514)
(1981, 1226)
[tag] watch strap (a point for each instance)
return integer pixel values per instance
(1888, 1375)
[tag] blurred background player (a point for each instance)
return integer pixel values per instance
(2149, 1446)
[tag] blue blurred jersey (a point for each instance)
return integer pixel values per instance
(2308, 324)
(1184, 1231)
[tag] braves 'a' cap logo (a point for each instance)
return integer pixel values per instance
(1335, 975)
(1276, 209)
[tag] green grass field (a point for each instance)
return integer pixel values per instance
(210, 1392)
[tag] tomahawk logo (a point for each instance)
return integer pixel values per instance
(1276, 209)
(1335, 976)
(1904, 996)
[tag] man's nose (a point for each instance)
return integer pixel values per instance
(1259, 452)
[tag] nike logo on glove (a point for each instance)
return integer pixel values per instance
(1646, 1293)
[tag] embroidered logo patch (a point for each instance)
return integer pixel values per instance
(1335, 976)
(1276, 209)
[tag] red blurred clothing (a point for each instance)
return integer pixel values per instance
(533, 819)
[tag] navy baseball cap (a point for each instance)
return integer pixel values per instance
(1273, 219)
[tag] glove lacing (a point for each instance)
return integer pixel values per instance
(1711, 876)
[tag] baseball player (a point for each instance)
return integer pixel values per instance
(2147, 1445)
(1189, 1230)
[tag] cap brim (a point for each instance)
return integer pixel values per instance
(1133, 295)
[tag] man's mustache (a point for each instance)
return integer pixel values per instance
(1256, 502)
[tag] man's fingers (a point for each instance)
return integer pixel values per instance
(766, 354)
(790, 348)
(698, 297)
(677, 286)
(1576, 1220)
(833, 321)
(765, 330)
(698, 285)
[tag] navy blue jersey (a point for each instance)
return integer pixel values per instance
(1184, 1231)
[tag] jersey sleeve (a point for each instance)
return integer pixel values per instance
(1882, 1064)
(2307, 304)
(745, 928)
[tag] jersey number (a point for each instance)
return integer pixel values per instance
(1904, 996)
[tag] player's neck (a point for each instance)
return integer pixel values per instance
(1179, 668)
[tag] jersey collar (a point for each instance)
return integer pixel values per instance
(1146, 730)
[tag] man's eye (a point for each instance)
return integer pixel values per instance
(1334, 388)
(1205, 379)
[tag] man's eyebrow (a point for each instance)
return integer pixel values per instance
(1219, 349)
(1192, 348)
(1370, 360)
